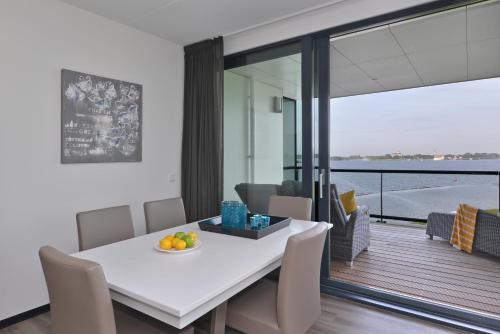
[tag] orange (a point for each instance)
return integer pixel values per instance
(165, 244)
(169, 237)
(180, 245)
(175, 241)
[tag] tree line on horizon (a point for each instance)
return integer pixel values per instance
(465, 156)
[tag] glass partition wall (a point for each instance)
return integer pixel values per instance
(414, 130)
(263, 131)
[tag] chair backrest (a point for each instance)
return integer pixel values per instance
(104, 226)
(164, 214)
(299, 304)
(80, 302)
(288, 206)
(338, 216)
(256, 196)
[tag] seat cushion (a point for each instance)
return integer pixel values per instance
(255, 310)
(129, 321)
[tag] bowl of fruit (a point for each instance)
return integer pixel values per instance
(180, 242)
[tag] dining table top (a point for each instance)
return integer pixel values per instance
(178, 288)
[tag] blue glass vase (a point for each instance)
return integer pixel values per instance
(234, 214)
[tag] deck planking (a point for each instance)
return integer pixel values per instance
(404, 260)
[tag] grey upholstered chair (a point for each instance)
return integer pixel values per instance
(104, 226)
(80, 301)
(256, 196)
(289, 206)
(350, 234)
(292, 305)
(164, 214)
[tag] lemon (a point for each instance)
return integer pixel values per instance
(189, 241)
(180, 245)
(193, 235)
(165, 244)
(175, 241)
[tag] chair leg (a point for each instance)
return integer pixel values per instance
(350, 263)
(431, 236)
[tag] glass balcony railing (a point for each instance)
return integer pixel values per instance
(410, 195)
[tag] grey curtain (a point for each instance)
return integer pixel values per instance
(202, 155)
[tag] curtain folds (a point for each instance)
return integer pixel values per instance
(202, 141)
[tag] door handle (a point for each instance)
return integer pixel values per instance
(321, 182)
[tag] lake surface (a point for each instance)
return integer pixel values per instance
(416, 195)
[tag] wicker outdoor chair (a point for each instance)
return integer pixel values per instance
(350, 234)
(487, 235)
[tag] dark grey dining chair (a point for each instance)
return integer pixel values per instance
(292, 305)
(164, 214)
(104, 226)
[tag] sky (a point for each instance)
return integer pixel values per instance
(447, 119)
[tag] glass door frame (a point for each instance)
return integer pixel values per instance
(315, 71)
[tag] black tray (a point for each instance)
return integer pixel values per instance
(275, 224)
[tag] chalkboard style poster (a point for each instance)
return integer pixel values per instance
(101, 119)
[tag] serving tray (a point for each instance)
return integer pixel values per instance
(214, 225)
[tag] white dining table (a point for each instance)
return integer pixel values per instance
(180, 288)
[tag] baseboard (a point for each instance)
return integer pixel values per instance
(24, 316)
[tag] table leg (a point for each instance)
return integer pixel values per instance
(218, 321)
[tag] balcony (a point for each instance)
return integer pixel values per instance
(403, 260)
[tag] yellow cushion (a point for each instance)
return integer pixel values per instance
(348, 200)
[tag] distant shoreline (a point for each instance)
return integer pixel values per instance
(421, 157)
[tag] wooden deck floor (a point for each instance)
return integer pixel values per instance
(404, 260)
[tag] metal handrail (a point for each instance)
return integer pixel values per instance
(405, 171)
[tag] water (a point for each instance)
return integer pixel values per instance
(416, 195)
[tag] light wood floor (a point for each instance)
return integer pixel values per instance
(405, 260)
(339, 316)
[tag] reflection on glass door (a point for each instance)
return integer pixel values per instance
(262, 131)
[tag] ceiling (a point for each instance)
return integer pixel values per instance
(453, 46)
(458, 45)
(189, 21)
(284, 73)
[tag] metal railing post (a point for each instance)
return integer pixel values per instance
(381, 220)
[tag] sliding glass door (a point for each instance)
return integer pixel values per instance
(346, 108)
(276, 127)
(412, 101)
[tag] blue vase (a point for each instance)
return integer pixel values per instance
(234, 214)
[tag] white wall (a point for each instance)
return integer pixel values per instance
(340, 13)
(38, 195)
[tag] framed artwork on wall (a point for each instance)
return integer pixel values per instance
(101, 119)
